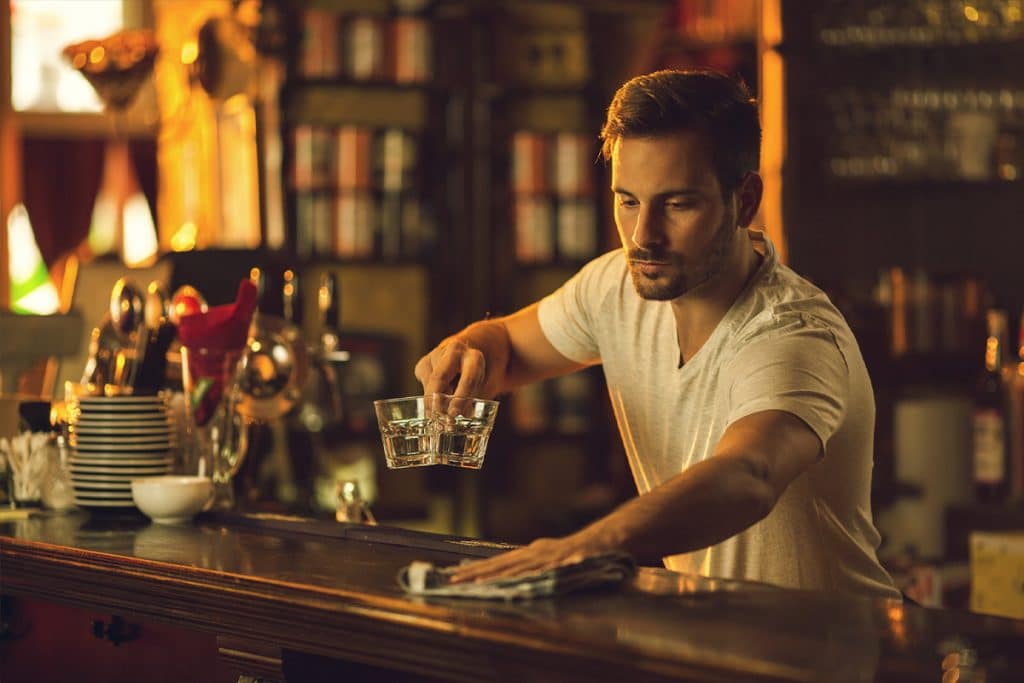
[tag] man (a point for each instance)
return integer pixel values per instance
(740, 393)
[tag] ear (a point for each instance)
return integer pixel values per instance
(748, 199)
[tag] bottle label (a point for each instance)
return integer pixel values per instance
(989, 447)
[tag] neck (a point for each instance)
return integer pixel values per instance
(699, 311)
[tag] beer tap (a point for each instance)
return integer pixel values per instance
(322, 407)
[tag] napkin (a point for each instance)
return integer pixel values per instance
(423, 578)
(221, 327)
(222, 331)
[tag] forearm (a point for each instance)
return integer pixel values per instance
(700, 507)
(492, 357)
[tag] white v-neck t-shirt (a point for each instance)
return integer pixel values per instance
(781, 346)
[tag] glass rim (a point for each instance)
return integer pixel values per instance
(387, 401)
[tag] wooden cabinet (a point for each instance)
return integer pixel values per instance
(42, 639)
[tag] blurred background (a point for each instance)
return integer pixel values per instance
(436, 161)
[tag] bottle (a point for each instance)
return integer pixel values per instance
(991, 419)
(1016, 425)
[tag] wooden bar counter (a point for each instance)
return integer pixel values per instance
(257, 597)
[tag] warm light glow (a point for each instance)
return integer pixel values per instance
(771, 22)
(189, 52)
(102, 237)
(140, 241)
(31, 289)
(206, 167)
(97, 54)
(897, 622)
(971, 13)
(184, 238)
(235, 105)
(773, 152)
(42, 80)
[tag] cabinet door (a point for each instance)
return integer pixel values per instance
(45, 642)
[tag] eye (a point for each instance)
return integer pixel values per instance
(680, 204)
(628, 202)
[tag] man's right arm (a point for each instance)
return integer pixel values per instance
(491, 357)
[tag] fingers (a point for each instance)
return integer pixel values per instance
(423, 371)
(473, 372)
(539, 556)
(452, 368)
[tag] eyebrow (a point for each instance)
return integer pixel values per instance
(682, 192)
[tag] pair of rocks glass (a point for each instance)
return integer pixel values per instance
(438, 429)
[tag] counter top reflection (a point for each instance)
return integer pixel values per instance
(330, 590)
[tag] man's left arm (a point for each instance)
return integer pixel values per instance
(753, 463)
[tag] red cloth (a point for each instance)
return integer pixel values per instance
(213, 342)
(221, 327)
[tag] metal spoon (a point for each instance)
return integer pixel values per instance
(272, 369)
(157, 306)
(126, 309)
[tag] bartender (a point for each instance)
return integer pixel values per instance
(744, 405)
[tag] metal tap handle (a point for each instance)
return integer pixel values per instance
(291, 303)
(329, 301)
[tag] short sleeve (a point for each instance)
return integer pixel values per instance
(796, 366)
(568, 315)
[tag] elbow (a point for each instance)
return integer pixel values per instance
(756, 487)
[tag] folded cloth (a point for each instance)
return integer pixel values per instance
(423, 578)
(222, 327)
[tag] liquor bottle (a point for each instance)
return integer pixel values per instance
(1016, 425)
(991, 419)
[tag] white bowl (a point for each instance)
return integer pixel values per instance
(171, 498)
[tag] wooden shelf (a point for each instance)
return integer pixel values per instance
(370, 105)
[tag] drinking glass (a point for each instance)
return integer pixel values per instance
(218, 435)
(465, 428)
(409, 434)
(438, 429)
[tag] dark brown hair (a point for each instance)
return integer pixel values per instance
(702, 100)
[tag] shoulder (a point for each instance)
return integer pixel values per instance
(788, 320)
(784, 303)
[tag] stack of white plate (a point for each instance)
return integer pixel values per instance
(114, 439)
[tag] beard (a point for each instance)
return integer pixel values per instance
(679, 277)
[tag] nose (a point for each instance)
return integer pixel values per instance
(647, 231)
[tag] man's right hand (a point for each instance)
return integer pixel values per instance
(453, 367)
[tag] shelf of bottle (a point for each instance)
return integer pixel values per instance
(928, 368)
(375, 262)
(300, 82)
(910, 182)
(800, 49)
(540, 89)
(694, 43)
(373, 105)
(566, 266)
(962, 520)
